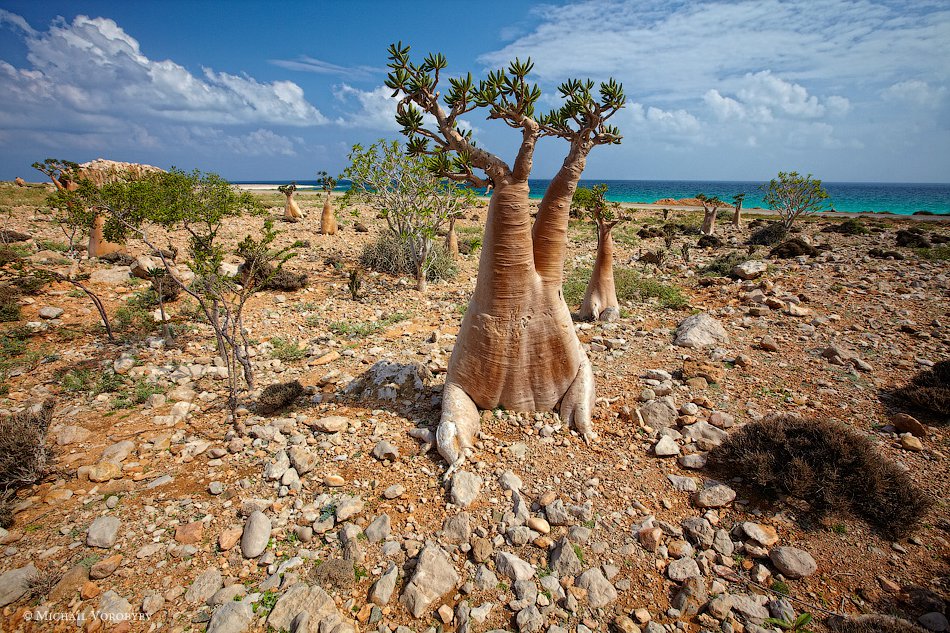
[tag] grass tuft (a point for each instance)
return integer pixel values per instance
(630, 286)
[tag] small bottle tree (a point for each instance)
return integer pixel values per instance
(292, 211)
(737, 209)
(327, 220)
(414, 202)
(600, 299)
(710, 212)
(794, 196)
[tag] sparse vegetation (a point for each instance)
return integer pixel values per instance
(829, 465)
(771, 233)
(630, 285)
(278, 396)
(722, 266)
(875, 624)
(287, 349)
(392, 254)
(794, 247)
(928, 391)
(24, 455)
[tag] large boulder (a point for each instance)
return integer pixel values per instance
(700, 330)
(434, 577)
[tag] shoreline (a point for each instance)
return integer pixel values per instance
(652, 206)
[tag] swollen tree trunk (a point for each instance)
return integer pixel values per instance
(98, 246)
(291, 210)
(517, 347)
(600, 299)
(709, 220)
(327, 219)
(737, 215)
(452, 241)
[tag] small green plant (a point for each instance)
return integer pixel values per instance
(579, 552)
(780, 587)
(722, 266)
(287, 349)
(839, 528)
(360, 572)
(266, 603)
(799, 625)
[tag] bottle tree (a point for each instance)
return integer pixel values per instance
(737, 201)
(292, 211)
(600, 298)
(711, 206)
(516, 347)
(327, 220)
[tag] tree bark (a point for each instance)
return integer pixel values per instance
(98, 246)
(327, 219)
(600, 299)
(517, 347)
(737, 216)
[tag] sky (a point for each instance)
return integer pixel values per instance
(848, 90)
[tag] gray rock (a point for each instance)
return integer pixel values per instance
(382, 590)
(114, 608)
(433, 577)
(15, 583)
(111, 276)
(457, 529)
(705, 431)
(681, 569)
(301, 459)
(227, 594)
(510, 481)
(204, 586)
(256, 535)
(700, 330)
(513, 567)
(103, 532)
(793, 562)
(692, 461)
(748, 607)
(658, 414)
(385, 450)
(751, 269)
(379, 529)
(564, 559)
(529, 620)
(72, 435)
(781, 609)
(722, 543)
(699, 531)
(387, 380)
(465, 488)
(715, 496)
(666, 447)
(118, 452)
(600, 592)
(485, 578)
(683, 484)
(301, 597)
(152, 604)
(331, 424)
(231, 617)
(276, 469)
(50, 312)
(934, 621)
(348, 507)
(720, 607)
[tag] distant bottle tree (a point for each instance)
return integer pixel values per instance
(794, 196)
(328, 224)
(737, 209)
(600, 299)
(711, 206)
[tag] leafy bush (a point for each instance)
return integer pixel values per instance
(709, 241)
(831, 466)
(629, 285)
(771, 233)
(914, 238)
(9, 304)
(392, 254)
(24, 456)
(928, 391)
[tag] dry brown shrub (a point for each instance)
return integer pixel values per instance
(278, 396)
(829, 465)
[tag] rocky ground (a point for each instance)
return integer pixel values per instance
(332, 516)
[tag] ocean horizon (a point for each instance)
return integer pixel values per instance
(845, 197)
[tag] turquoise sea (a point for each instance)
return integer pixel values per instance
(848, 197)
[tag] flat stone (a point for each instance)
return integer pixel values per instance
(15, 583)
(114, 608)
(348, 507)
(382, 590)
(301, 459)
(189, 533)
(793, 562)
(103, 471)
(105, 567)
(331, 424)
(715, 496)
(564, 559)
(600, 592)
(231, 617)
(764, 535)
(465, 488)
(103, 532)
(666, 447)
(513, 567)
(69, 585)
(72, 435)
(204, 586)
(700, 330)
(379, 529)
(302, 598)
(752, 269)
(256, 535)
(681, 569)
(908, 424)
(658, 414)
(433, 577)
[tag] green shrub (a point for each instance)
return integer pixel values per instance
(287, 349)
(851, 226)
(630, 286)
(771, 233)
(392, 254)
(722, 266)
(831, 466)
(9, 304)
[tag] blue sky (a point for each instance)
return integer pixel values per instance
(849, 90)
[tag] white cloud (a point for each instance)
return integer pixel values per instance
(916, 92)
(763, 97)
(375, 109)
(307, 64)
(92, 68)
